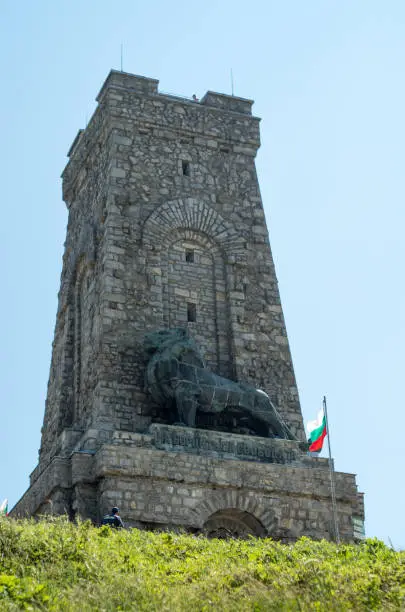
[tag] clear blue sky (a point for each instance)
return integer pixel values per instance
(328, 80)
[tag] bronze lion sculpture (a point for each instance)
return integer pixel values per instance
(177, 378)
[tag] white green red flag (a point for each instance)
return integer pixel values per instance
(4, 508)
(317, 432)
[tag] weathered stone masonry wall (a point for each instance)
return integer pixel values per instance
(132, 215)
(152, 208)
(288, 493)
(166, 228)
(180, 489)
(76, 347)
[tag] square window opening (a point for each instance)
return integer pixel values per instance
(190, 255)
(191, 312)
(186, 168)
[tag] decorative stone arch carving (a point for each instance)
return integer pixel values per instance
(193, 214)
(195, 235)
(226, 500)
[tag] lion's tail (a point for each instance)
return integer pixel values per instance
(287, 431)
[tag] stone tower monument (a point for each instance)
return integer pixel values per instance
(169, 321)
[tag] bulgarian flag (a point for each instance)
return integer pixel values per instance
(4, 508)
(317, 432)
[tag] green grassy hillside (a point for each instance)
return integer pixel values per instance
(55, 565)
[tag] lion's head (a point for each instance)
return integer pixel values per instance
(175, 343)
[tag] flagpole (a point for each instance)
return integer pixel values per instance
(332, 477)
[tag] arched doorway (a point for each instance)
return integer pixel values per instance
(233, 523)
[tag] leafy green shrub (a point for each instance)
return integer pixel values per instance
(55, 565)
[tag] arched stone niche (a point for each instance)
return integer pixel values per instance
(228, 513)
(233, 523)
(201, 284)
(193, 257)
(226, 509)
(79, 341)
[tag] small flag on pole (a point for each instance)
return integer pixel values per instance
(4, 508)
(317, 431)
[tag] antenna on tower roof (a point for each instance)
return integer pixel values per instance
(121, 56)
(232, 81)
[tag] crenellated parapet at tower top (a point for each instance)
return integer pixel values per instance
(147, 86)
